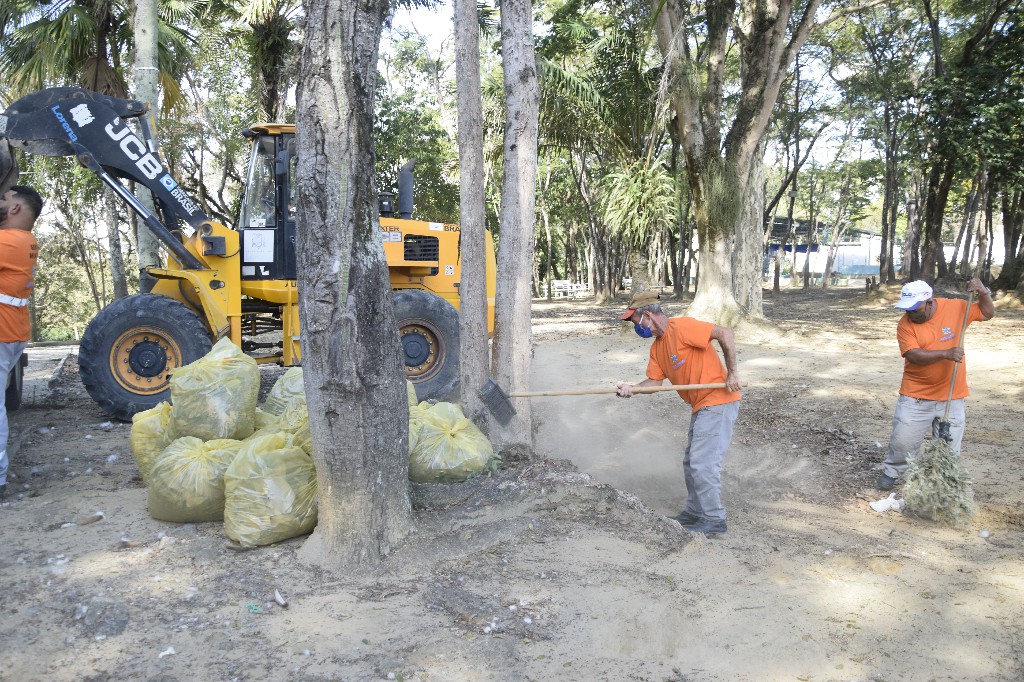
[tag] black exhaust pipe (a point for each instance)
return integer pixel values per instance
(405, 190)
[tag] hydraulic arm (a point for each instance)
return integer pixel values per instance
(94, 129)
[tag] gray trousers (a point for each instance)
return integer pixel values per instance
(9, 354)
(709, 438)
(913, 420)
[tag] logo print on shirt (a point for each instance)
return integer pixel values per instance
(676, 362)
(947, 334)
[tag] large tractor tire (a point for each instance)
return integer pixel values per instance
(129, 350)
(428, 329)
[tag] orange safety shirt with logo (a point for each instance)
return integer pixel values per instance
(684, 355)
(19, 252)
(941, 332)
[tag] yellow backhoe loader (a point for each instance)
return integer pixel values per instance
(221, 282)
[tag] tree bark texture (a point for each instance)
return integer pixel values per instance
(355, 387)
(147, 80)
(117, 273)
(513, 336)
(474, 364)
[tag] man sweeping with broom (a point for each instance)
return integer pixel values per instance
(934, 385)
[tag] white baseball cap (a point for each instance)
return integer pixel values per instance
(914, 294)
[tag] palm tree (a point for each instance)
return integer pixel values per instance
(82, 42)
(273, 50)
(602, 107)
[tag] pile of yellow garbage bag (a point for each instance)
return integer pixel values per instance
(213, 454)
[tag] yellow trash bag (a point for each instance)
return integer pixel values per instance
(215, 396)
(285, 391)
(295, 416)
(270, 492)
(263, 419)
(302, 439)
(410, 391)
(449, 448)
(151, 433)
(187, 480)
(416, 414)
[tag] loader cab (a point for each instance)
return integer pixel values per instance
(266, 223)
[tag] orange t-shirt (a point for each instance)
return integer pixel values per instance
(931, 381)
(684, 355)
(18, 254)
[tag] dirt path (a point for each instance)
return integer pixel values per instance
(554, 573)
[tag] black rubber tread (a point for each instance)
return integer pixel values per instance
(173, 318)
(12, 394)
(415, 306)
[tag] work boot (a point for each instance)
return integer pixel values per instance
(886, 482)
(706, 526)
(684, 517)
(3, 491)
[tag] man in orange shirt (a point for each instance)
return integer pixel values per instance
(19, 208)
(683, 354)
(929, 338)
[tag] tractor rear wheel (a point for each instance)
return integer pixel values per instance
(129, 350)
(428, 329)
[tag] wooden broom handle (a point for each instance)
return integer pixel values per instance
(599, 391)
(959, 344)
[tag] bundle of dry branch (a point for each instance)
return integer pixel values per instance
(938, 487)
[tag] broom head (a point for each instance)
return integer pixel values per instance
(497, 401)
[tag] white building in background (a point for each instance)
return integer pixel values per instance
(856, 254)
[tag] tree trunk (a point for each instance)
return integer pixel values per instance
(984, 267)
(1013, 246)
(117, 273)
(933, 260)
(962, 245)
(355, 387)
(147, 79)
(719, 168)
(548, 243)
(474, 361)
(513, 336)
(748, 252)
(911, 268)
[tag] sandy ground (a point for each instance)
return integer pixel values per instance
(552, 570)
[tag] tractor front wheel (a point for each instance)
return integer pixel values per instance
(129, 350)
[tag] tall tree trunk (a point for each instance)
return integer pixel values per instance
(117, 273)
(837, 227)
(513, 337)
(355, 387)
(748, 253)
(983, 269)
(548, 243)
(719, 168)
(890, 180)
(933, 260)
(147, 80)
(911, 268)
(962, 245)
(474, 362)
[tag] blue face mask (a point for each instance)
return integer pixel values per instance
(642, 331)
